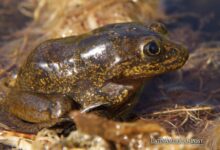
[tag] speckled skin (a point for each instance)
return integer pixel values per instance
(102, 68)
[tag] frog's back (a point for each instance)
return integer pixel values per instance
(56, 65)
(50, 66)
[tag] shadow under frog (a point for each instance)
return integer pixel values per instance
(105, 67)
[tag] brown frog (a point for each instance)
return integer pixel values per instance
(100, 69)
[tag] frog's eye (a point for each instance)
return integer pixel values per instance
(151, 48)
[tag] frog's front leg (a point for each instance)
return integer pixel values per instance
(112, 95)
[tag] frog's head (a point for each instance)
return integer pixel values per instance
(153, 54)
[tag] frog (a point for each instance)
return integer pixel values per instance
(101, 69)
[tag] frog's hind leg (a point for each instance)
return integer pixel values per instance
(11, 122)
(29, 112)
(35, 107)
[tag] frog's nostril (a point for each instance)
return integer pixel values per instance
(173, 50)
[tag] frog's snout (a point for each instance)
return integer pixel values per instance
(175, 56)
(186, 52)
(183, 54)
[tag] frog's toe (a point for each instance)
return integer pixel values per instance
(95, 107)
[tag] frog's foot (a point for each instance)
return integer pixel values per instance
(100, 109)
(94, 107)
